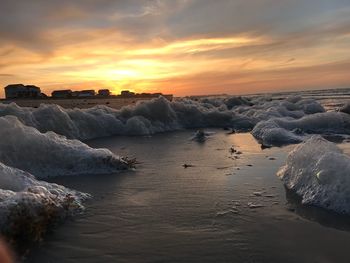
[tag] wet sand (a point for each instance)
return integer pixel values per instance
(223, 208)
(81, 103)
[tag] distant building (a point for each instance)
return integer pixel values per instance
(104, 92)
(87, 93)
(127, 94)
(75, 94)
(43, 96)
(62, 94)
(16, 91)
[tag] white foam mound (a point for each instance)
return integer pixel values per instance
(264, 108)
(49, 154)
(159, 115)
(269, 133)
(148, 117)
(281, 131)
(27, 205)
(319, 173)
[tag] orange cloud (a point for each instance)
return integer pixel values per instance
(139, 49)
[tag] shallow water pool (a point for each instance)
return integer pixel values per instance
(224, 207)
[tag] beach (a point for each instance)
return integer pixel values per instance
(259, 178)
(169, 131)
(81, 103)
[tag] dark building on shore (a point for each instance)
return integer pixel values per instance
(87, 93)
(20, 91)
(17, 91)
(104, 92)
(67, 93)
(61, 94)
(127, 94)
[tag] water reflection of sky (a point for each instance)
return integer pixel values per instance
(203, 213)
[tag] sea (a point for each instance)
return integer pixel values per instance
(197, 202)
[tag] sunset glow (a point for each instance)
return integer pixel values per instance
(149, 46)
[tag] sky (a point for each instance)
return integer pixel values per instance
(182, 47)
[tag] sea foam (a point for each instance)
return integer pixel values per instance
(319, 172)
(46, 141)
(49, 154)
(29, 206)
(160, 115)
(281, 131)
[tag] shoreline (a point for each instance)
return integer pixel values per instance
(82, 103)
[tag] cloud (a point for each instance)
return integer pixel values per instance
(141, 44)
(6, 75)
(329, 75)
